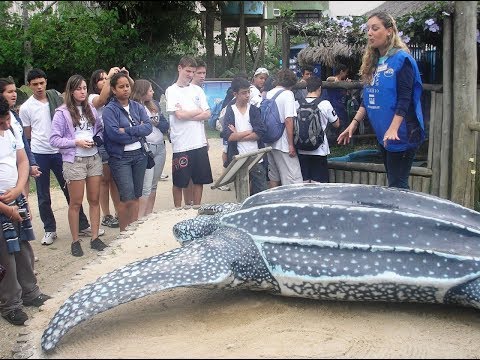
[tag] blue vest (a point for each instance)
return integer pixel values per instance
(380, 100)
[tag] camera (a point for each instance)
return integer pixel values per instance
(97, 140)
(23, 213)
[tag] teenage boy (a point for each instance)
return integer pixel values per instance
(243, 128)
(314, 163)
(188, 109)
(36, 114)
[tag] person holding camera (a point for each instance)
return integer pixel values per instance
(19, 285)
(77, 131)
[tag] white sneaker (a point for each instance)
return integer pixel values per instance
(224, 188)
(48, 238)
(88, 232)
(164, 177)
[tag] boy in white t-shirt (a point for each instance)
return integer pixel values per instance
(188, 109)
(314, 163)
(283, 165)
(243, 129)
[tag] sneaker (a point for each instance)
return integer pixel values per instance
(110, 221)
(224, 188)
(88, 232)
(16, 317)
(49, 237)
(77, 249)
(98, 244)
(38, 301)
(163, 177)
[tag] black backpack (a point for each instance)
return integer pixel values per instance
(308, 133)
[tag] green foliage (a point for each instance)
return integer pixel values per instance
(146, 37)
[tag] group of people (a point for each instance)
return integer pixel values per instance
(100, 139)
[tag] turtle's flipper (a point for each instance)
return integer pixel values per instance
(190, 265)
(465, 294)
(226, 260)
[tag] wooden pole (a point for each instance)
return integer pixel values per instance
(242, 33)
(464, 102)
(445, 150)
(285, 47)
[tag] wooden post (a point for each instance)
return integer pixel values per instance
(242, 34)
(464, 102)
(285, 47)
(445, 149)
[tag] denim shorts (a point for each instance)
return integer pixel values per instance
(128, 173)
(82, 167)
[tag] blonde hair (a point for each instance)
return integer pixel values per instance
(371, 55)
(140, 89)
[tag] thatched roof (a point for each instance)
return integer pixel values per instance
(329, 56)
(400, 8)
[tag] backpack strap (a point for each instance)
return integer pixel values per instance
(278, 93)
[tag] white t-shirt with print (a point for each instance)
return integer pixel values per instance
(286, 108)
(36, 114)
(84, 132)
(9, 145)
(328, 115)
(186, 134)
(156, 136)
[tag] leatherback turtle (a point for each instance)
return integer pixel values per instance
(321, 241)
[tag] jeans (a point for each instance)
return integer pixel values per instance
(53, 162)
(398, 166)
(128, 173)
(152, 176)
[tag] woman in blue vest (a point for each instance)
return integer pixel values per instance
(391, 99)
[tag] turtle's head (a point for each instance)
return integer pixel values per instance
(196, 228)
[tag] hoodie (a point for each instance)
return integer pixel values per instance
(115, 117)
(63, 132)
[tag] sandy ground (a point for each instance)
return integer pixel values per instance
(200, 323)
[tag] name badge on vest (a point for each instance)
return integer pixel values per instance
(382, 67)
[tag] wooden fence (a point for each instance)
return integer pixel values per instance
(424, 179)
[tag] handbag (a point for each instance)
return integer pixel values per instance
(148, 152)
(145, 147)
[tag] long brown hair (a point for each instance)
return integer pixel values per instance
(72, 84)
(371, 55)
(140, 89)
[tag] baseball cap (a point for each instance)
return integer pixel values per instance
(261, 71)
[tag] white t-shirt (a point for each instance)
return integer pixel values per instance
(242, 123)
(9, 145)
(255, 96)
(100, 109)
(286, 108)
(84, 131)
(186, 134)
(36, 114)
(156, 136)
(136, 145)
(328, 116)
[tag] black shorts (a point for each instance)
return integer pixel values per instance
(314, 167)
(193, 164)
